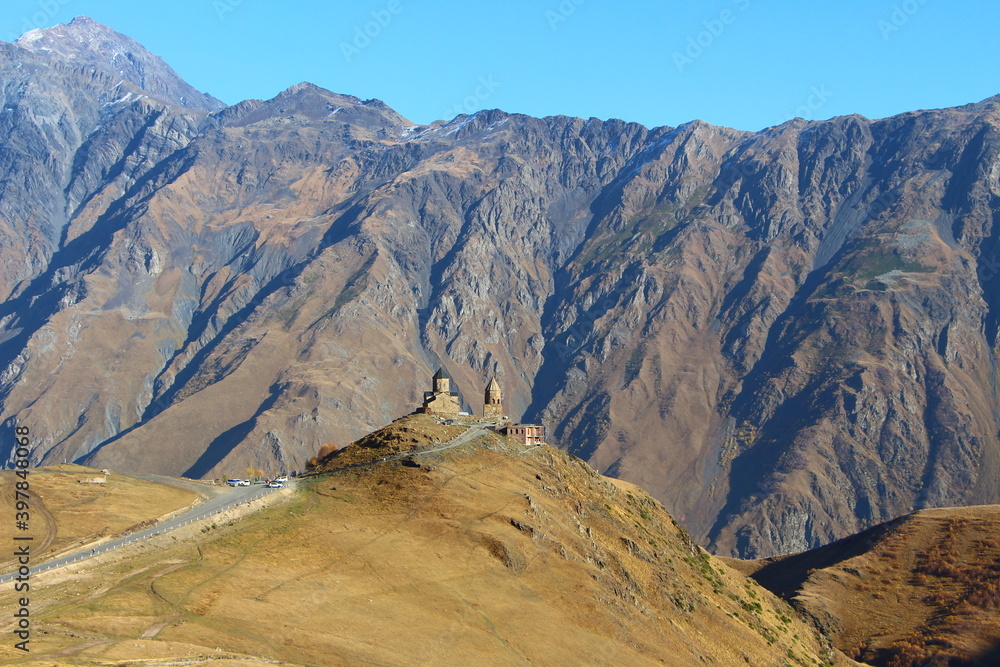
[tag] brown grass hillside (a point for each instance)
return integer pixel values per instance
(65, 514)
(487, 554)
(923, 590)
(412, 433)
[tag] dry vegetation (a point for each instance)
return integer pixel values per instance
(324, 452)
(961, 574)
(412, 433)
(921, 591)
(66, 514)
(490, 553)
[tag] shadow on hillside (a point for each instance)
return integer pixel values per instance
(338, 231)
(227, 440)
(784, 576)
(564, 344)
(990, 659)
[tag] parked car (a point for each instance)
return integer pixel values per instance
(244, 482)
(281, 479)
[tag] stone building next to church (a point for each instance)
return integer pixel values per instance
(526, 434)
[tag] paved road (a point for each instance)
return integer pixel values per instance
(224, 501)
(206, 491)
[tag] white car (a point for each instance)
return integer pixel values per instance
(244, 482)
(275, 484)
(281, 479)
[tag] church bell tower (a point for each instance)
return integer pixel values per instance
(493, 401)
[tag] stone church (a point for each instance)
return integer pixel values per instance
(444, 401)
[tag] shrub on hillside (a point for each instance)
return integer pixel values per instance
(986, 596)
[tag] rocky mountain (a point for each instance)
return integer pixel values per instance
(83, 42)
(786, 336)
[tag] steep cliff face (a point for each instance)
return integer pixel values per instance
(815, 326)
(79, 130)
(786, 335)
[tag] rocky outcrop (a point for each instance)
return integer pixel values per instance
(785, 335)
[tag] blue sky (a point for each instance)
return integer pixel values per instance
(743, 63)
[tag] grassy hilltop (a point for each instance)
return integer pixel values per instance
(489, 553)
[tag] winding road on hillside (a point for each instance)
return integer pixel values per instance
(225, 499)
(229, 498)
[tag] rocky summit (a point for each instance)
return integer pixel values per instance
(786, 336)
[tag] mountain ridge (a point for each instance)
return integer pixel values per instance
(786, 335)
(87, 42)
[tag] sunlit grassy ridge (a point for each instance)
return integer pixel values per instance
(490, 553)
